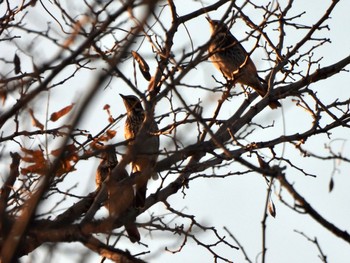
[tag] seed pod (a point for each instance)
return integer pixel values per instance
(17, 63)
(331, 185)
(272, 209)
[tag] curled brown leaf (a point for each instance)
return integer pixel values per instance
(272, 209)
(59, 114)
(35, 121)
(144, 68)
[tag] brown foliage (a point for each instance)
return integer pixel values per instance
(62, 112)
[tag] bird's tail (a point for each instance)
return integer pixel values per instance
(140, 196)
(261, 89)
(133, 232)
(274, 104)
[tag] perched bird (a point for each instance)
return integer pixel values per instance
(146, 153)
(108, 162)
(229, 56)
(120, 195)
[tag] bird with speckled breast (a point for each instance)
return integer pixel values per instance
(233, 61)
(145, 157)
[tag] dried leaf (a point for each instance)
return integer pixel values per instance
(94, 145)
(28, 159)
(37, 168)
(17, 63)
(70, 149)
(36, 157)
(110, 117)
(56, 152)
(58, 114)
(35, 121)
(70, 157)
(272, 209)
(29, 151)
(103, 138)
(144, 68)
(111, 133)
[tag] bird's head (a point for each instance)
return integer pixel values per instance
(217, 26)
(132, 103)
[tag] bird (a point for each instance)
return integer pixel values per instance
(120, 195)
(145, 156)
(233, 61)
(107, 163)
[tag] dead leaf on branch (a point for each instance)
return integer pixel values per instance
(32, 156)
(59, 114)
(36, 157)
(103, 138)
(272, 208)
(99, 142)
(110, 117)
(111, 134)
(143, 66)
(35, 121)
(40, 165)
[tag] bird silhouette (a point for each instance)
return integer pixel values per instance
(233, 61)
(145, 156)
(120, 194)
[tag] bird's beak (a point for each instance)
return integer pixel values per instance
(125, 101)
(211, 24)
